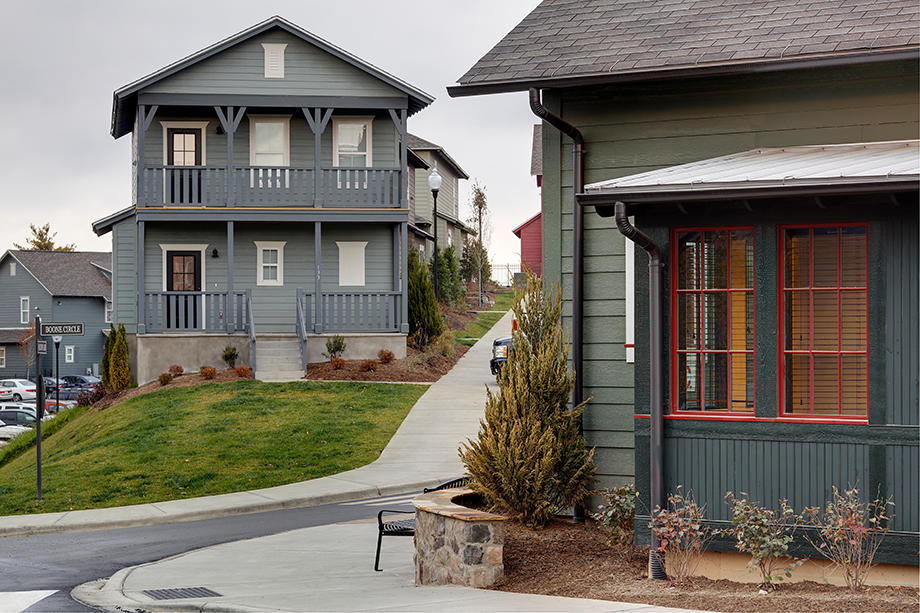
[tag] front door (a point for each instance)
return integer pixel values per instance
(183, 276)
(183, 185)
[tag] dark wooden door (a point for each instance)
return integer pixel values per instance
(183, 274)
(183, 149)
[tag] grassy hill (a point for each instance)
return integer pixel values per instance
(207, 439)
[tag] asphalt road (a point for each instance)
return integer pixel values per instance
(61, 561)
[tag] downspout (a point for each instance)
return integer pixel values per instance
(577, 250)
(656, 566)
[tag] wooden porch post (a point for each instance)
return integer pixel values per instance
(141, 302)
(404, 286)
(230, 122)
(317, 119)
(144, 119)
(229, 315)
(318, 265)
(400, 121)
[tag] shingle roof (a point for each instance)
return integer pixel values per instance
(418, 143)
(69, 273)
(536, 151)
(571, 39)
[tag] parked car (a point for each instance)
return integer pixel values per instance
(53, 408)
(8, 432)
(500, 348)
(17, 389)
(52, 384)
(13, 414)
(84, 382)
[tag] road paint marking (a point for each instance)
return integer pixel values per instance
(384, 500)
(15, 602)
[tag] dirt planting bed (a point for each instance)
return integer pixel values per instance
(569, 560)
(416, 367)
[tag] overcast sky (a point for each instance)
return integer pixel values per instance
(63, 60)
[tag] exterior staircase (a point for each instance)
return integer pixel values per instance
(278, 359)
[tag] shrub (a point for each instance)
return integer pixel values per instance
(368, 366)
(617, 514)
(450, 287)
(119, 370)
(230, 355)
(208, 372)
(335, 347)
(425, 321)
(681, 534)
(765, 534)
(243, 372)
(445, 344)
(849, 532)
(90, 397)
(385, 356)
(107, 355)
(176, 371)
(337, 363)
(165, 378)
(528, 459)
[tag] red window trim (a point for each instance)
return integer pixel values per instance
(728, 351)
(752, 418)
(780, 303)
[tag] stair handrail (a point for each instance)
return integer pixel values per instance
(251, 326)
(301, 330)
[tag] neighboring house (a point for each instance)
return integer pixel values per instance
(451, 229)
(60, 286)
(270, 206)
(766, 388)
(531, 234)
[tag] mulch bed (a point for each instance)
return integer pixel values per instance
(416, 367)
(571, 560)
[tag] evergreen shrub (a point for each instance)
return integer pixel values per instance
(425, 321)
(230, 355)
(107, 354)
(335, 347)
(119, 370)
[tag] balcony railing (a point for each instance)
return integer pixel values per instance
(196, 311)
(269, 186)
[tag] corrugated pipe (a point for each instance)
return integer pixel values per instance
(655, 561)
(577, 251)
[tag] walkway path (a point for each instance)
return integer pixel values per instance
(423, 452)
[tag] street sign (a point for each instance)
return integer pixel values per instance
(42, 347)
(62, 329)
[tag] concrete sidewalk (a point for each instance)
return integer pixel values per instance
(423, 452)
(328, 568)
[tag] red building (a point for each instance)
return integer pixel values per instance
(531, 234)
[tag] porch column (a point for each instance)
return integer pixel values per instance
(141, 302)
(144, 119)
(318, 266)
(229, 312)
(317, 119)
(230, 122)
(404, 286)
(400, 120)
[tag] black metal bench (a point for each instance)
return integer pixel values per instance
(406, 527)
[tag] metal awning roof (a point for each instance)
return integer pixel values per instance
(894, 164)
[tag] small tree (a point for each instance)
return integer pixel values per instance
(107, 355)
(42, 239)
(425, 321)
(335, 347)
(528, 460)
(27, 348)
(119, 369)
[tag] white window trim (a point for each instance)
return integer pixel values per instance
(285, 119)
(12, 269)
(69, 353)
(109, 311)
(203, 125)
(352, 270)
(270, 48)
(202, 248)
(369, 122)
(27, 310)
(2, 357)
(279, 245)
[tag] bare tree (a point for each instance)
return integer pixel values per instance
(480, 208)
(27, 348)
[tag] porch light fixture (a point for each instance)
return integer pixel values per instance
(214, 253)
(434, 182)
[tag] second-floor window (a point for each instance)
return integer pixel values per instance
(352, 143)
(270, 149)
(23, 309)
(68, 354)
(109, 306)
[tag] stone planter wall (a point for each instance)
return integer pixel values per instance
(455, 544)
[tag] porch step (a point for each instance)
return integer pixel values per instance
(279, 376)
(278, 359)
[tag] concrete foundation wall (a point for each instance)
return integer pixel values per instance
(358, 346)
(157, 352)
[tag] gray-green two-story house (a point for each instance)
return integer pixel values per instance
(269, 206)
(766, 154)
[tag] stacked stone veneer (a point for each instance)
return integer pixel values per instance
(456, 544)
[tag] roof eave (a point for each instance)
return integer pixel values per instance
(746, 66)
(104, 225)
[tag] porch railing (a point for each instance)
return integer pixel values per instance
(361, 311)
(304, 315)
(269, 186)
(197, 311)
(251, 328)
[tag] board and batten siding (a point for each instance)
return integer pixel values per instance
(902, 324)
(635, 129)
(124, 274)
(308, 71)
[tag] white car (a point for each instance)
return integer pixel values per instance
(10, 432)
(17, 389)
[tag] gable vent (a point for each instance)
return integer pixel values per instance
(274, 60)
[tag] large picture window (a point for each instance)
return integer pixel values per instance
(712, 293)
(824, 321)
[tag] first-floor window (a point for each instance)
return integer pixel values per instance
(24, 309)
(270, 255)
(824, 320)
(2, 357)
(68, 353)
(713, 328)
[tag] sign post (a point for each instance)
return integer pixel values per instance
(57, 369)
(39, 409)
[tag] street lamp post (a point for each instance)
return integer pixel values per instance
(434, 182)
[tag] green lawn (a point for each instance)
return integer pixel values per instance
(207, 439)
(484, 321)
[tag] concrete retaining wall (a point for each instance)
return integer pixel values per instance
(157, 352)
(358, 345)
